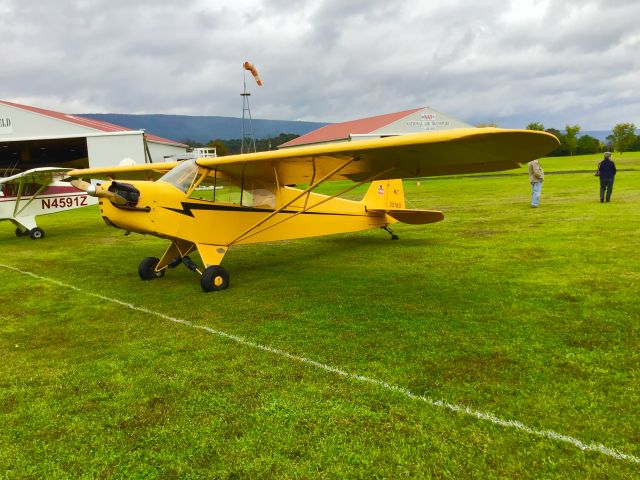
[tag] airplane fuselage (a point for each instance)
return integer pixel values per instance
(165, 211)
(21, 208)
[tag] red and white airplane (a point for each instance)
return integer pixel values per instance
(35, 192)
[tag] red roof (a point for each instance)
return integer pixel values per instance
(339, 131)
(87, 122)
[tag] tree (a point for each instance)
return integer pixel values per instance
(221, 148)
(485, 125)
(562, 148)
(536, 126)
(271, 143)
(191, 143)
(623, 136)
(232, 146)
(587, 144)
(570, 137)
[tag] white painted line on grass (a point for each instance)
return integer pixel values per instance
(489, 417)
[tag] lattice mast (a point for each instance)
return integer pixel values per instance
(247, 144)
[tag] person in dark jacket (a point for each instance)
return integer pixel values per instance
(607, 172)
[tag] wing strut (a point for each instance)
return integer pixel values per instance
(246, 235)
(282, 207)
(16, 210)
(313, 177)
(305, 208)
(275, 173)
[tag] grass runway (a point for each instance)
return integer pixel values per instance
(315, 363)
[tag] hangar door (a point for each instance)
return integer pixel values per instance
(17, 156)
(109, 150)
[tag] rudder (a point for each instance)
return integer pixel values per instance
(385, 195)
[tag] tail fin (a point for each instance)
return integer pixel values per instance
(384, 195)
(388, 196)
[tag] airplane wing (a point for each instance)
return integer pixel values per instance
(445, 152)
(41, 176)
(147, 171)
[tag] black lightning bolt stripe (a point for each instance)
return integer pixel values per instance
(188, 207)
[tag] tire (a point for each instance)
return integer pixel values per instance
(36, 233)
(147, 271)
(21, 233)
(214, 278)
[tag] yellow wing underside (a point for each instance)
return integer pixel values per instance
(446, 152)
(41, 176)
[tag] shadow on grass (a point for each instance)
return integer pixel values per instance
(298, 253)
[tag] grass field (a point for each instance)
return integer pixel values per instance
(502, 342)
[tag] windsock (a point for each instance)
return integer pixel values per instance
(249, 66)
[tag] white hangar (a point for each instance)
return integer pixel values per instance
(422, 119)
(33, 137)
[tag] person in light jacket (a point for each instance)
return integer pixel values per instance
(606, 172)
(536, 177)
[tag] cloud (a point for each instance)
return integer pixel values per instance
(509, 62)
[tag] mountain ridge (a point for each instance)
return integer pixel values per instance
(203, 129)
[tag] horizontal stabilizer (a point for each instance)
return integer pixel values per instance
(414, 217)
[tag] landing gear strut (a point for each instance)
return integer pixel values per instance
(186, 261)
(393, 235)
(213, 279)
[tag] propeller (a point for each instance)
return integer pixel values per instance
(98, 191)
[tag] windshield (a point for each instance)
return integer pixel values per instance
(182, 176)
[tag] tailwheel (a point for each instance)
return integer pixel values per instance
(214, 278)
(147, 269)
(36, 233)
(21, 233)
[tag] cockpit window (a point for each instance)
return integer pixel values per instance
(235, 184)
(181, 176)
(238, 188)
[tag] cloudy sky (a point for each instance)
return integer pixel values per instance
(507, 62)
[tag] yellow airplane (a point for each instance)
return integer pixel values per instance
(211, 204)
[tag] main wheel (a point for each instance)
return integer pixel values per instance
(21, 233)
(214, 278)
(36, 233)
(147, 269)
